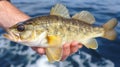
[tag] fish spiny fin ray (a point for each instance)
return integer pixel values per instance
(54, 52)
(60, 10)
(91, 43)
(84, 16)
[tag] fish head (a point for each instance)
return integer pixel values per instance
(24, 33)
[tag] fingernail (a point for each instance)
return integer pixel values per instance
(34, 48)
(64, 59)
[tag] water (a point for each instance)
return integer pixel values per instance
(107, 55)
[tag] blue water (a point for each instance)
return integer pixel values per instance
(107, 55)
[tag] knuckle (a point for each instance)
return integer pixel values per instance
(66, 46)
(74, 49)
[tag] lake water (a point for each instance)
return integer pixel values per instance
(107, 55)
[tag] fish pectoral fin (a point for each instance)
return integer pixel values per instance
(54, 41)
(84, 16)
(91, 43)
(54, 54)
(60, 10)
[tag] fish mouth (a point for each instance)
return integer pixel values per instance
(12, 36)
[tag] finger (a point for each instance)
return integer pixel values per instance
(66, 51)
(80, 45)
(39, 50)
(74, 47)
(34, 48)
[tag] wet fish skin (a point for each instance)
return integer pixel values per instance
(68, 29)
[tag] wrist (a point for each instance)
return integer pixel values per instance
(10, 15)
(4, 0)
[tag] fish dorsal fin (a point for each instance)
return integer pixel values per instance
(60, 10)
(91, 43)
(84, 16)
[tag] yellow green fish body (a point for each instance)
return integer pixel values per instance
(66, 29)
(54, 30)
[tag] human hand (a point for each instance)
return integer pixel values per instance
(4, 0)
(14, 16)
(68, 49)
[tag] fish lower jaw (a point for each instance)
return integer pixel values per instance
(10, 37)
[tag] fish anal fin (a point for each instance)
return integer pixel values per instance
(60, 10)
(84, 16)
(91, 43)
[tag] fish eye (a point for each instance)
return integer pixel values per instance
(21, 27)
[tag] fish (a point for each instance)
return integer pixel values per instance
(52, 31)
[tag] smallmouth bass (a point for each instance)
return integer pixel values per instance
(54, 30)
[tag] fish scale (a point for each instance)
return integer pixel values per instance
(59, 26)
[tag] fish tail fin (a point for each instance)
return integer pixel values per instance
(54, 54)
(110, 33)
